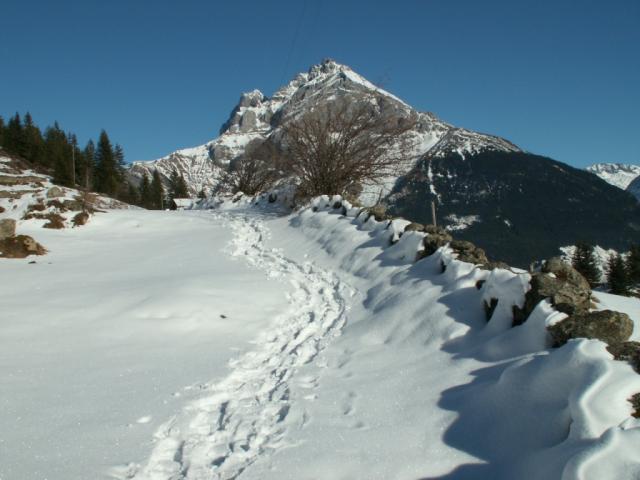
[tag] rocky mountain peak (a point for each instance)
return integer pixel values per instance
(618, 174)
(255, 117)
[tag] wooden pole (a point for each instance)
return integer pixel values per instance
(433, 214)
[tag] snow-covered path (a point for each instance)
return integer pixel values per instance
(113, 332)
(241, 417)
(232, 344)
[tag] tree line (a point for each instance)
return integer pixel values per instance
(622, 272)
(98, 167)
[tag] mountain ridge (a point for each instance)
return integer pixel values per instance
(257, 116)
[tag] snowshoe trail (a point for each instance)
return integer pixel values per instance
(241, 417)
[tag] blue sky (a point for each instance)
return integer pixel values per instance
(559, 78)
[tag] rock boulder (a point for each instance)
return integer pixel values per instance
(606, 325)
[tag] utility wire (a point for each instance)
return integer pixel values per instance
(293, 42)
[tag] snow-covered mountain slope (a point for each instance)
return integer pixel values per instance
(30, 197)
(256, 117)
(618, 174)
(351, 360)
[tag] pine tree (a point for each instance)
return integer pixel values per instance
(2, 127)
(58, 154)
(145, 192)
(34, 143)
(584, 261)
(617, 276)
(14, 136)
(107, 177)
(177, 186)
(157, 194)
(88, 164)
(633, 264)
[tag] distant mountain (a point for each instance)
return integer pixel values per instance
(618, 174)
(516, 205)
(523, 206)
(257, 117)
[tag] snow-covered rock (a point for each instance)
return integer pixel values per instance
(618, 174)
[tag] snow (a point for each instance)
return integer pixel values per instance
(456, 223)
(617, 174)
(628, 305)
(106, 337)
(602, 257)
(362, 362)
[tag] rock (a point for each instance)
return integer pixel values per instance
(468, 252)
(36, 207)
(2, 210)
(379, 212)
(55, 221)
(249, 121)
(74, 205)
(627, 352)
(272, 197)
(11, 180)
(57, 204)
(80, 219)
(433, 229)
(20, 246)
(606, 325)
(635, 403)
(494, 265)
(433, 242)
(7, 228)
(337, 205)
(564, 271)
(414, 227)
(567, 290)
(55, 192)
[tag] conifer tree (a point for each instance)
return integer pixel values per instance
(157, 194)
(107, 175)
(34, 143)
(58, 154)
(584, 261)
(177, 186)
(145, 192)
(88, 164)
(14, 139)
(617, 275)
(2, 127)
(633, 264)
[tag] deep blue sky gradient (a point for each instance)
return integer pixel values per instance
(559, 78)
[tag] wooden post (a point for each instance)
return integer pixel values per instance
(433, 214)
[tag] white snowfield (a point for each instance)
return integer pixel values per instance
(338, 357)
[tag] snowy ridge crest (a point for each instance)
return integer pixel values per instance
(256, 117)
(618, 174)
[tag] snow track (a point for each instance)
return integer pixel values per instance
(241, 417)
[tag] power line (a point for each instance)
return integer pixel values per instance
(293, 42)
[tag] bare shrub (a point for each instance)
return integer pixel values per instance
(340, 146)
(255, 171)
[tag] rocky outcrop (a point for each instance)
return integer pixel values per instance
(627, 352)
(20, 246)
(468, 252)
(414, 227)
(565, 288)
(80, 219)
(55, 192)
(7, 228)
(435, 238)
(606, 325)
